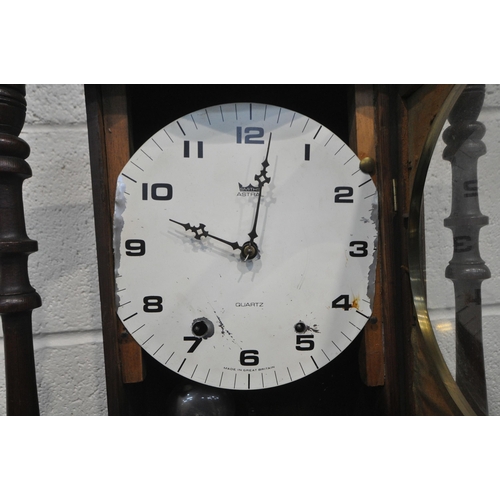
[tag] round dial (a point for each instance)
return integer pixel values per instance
(245, 241)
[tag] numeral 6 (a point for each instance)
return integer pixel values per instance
(249, 358)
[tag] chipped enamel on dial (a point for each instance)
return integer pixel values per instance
(186, 209)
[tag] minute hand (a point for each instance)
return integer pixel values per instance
(262, 178)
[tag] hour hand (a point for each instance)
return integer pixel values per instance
(200, 231)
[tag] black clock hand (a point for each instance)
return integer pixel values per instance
(262, 178)
(200, 231)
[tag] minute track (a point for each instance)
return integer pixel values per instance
(301, 265)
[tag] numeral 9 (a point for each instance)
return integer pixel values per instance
(135, 248)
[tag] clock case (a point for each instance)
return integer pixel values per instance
(375, 375)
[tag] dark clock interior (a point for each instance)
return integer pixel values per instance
(335, 389)
(154, 106)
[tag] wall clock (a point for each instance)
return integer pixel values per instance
(245, 239)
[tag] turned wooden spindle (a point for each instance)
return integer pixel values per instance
(466, 269)
(17, 297)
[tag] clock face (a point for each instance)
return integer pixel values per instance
(245, 241)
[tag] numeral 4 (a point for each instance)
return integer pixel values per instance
(341, 302)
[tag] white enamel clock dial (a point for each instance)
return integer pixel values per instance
(245, 240)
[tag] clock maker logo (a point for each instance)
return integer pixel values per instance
(247, 190)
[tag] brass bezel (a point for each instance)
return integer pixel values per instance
(415, 256)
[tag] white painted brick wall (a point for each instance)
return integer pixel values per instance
(59, 215)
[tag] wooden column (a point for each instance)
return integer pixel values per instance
(17, 297)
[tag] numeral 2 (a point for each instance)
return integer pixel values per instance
(344, 194)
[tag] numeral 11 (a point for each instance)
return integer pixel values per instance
(186, 149)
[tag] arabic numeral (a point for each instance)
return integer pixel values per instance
(360, 249)
(196, 342)
(153, 304)
(249, 358)
(252, 135)
(135, 248)
(304, 343)
(344, 194)
(341, 302)
(159, 191)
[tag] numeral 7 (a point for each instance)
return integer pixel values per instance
(196, 342)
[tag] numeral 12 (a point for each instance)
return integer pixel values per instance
(252, 135)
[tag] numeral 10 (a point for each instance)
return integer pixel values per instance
(159, 191)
